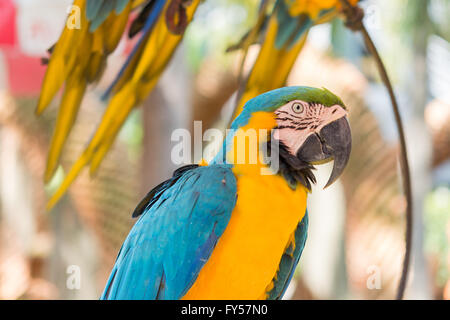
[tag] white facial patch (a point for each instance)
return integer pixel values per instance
(297, 120)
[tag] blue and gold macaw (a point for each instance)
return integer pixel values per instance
(79, 58)
(235, 228)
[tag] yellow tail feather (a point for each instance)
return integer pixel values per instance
(71, 176)
(62, 60)
(68, 111)
(79, 67)
(137, 3)
(114, 27)
(156, 53)
(120, 103)
(134, 86)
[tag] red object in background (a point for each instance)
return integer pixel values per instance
(25, 73)
(7, 23)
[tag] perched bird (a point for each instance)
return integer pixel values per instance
(235, 228)
(79, 58)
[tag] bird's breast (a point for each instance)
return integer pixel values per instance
(247, 256)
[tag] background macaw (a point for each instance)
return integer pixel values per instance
(225, 230)
(79, 58)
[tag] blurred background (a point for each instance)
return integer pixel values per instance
(356, 239)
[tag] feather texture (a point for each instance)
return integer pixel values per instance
(289, 261)
(174, 236)
(78, 68)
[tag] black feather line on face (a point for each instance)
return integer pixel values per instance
(292, 169)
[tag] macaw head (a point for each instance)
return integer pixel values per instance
(310, 126)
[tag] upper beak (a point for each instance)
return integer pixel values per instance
(332, 142)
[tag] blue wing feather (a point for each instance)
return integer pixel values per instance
(174, 236)
(92, 8)
(289, 261)
(103, 13)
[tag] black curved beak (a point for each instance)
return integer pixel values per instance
(333, 142)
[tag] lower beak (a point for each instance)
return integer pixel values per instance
(332, 142)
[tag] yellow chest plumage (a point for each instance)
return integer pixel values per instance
(246, 257)
(248, 254)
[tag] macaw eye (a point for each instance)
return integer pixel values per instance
(297, 107)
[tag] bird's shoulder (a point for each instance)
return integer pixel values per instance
(218, 179)
(180, 222)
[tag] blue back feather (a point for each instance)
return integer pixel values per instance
(174, 237)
